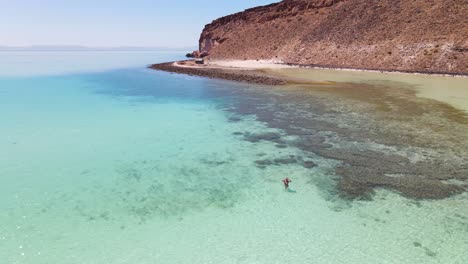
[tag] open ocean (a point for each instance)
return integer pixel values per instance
(105, 161)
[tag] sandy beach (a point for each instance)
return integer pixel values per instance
(452, 90)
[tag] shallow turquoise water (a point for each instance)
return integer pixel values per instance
(100, 164)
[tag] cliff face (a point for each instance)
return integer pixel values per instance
(419, 35)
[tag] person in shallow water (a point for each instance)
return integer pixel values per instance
(286, 182)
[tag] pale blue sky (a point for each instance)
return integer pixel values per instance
(98, 23)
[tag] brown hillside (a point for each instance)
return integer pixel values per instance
(417, 35)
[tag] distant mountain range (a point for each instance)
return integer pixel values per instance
(85, 48)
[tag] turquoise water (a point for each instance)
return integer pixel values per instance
(106, 162)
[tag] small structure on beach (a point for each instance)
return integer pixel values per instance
(199, 60)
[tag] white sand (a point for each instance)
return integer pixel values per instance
(250, 64)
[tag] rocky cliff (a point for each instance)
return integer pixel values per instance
(402, 35)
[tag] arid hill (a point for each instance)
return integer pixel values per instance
(415, 36)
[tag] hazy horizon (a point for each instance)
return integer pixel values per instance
(90, 48)
(111, 24)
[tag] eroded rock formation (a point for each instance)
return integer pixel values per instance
(421, 36)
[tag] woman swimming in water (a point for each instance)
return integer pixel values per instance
(286, 182)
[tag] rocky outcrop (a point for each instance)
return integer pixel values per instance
(422, 36)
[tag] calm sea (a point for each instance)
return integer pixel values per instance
(105, 161)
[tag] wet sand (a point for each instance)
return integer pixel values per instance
(385, 130)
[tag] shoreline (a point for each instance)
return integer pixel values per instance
(258, 65)
(239, 75)
(273, 64)
(271, 72)
(424, 73)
